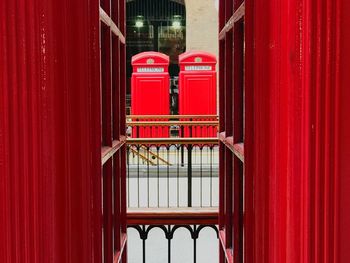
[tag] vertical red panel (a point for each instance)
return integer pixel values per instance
(296, 131)
(342, 144)
(248, 195)
(221, 127)
(280, 200)
(300, 91)
(122, 65)
(49, 132)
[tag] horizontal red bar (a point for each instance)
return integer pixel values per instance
(153, 117)
(172, 216)
(174, 140)
(237, 16)
(108, 151)
(171, 123)
(108, 21)
(236, 148)
(222, 136)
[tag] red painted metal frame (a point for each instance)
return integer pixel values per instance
(231, 44)
(174, 217)
(112, 17)
(296, 143)
(296, 137)
(50, 131)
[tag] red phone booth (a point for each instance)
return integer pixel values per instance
(150, 91)
(197, 90)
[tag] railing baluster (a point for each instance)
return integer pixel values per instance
(128, 171)
(168, 174)
(178, 175)
(211, 175)
(144, 245)
(182, 148)
(169, 245)
(148, 150)
(189, 175)
(137, 131)
(158, 199)
(194, 245)
(138, 175)
(201, 176)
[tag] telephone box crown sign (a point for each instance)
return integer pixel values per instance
(150, 62)
(149, 58)
(197, 61)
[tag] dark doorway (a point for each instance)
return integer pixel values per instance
(156, 25)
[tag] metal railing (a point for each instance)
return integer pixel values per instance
(186, 234)
(173, 171)
(172, 185)
(172, 175)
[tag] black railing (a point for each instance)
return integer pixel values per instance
(180, 241)
(173, 175)
(172, 185)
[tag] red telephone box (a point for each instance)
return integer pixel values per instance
(150, 91)
(197, 90)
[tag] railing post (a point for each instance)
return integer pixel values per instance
(189, 175)
(182, 147)
(189, 171)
